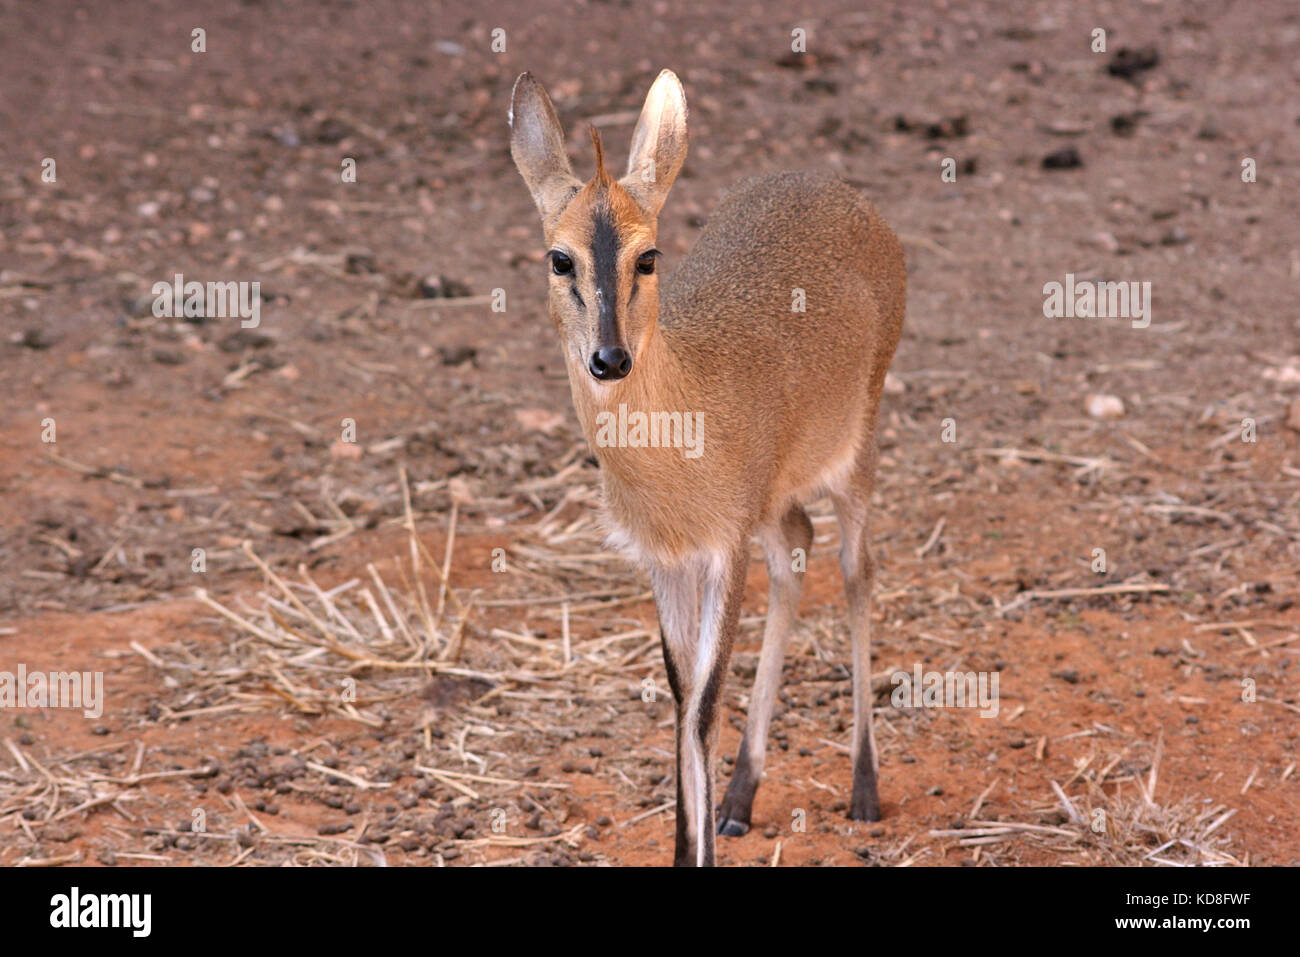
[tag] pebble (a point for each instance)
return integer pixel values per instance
(1128, 62)
(1293, 415)
(440, 287)
(169, 357)
(36, 338)
(456, 355)
(244, 339)
(1105, 240)
(1125, 124)
(1105, 406)
(359, 261)
(1067, 158)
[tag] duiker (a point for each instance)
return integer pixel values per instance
(775, 334)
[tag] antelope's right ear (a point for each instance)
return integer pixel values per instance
(658, 144)
(537, 145)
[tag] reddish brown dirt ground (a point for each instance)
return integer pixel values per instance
(174, 435)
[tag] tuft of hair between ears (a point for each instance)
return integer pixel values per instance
(602, 175)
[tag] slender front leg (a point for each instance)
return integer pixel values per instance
(699, 606)
(677, 600)
(779, 543)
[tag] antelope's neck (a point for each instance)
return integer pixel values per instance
(654, 444)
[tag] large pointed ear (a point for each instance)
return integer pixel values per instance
(537, 145)
(658, 144)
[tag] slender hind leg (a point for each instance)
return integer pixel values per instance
(852, 508)
(795, 531)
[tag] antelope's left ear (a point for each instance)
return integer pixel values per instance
(658, 144)
(537, 146)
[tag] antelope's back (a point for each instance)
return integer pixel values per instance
(794, 272)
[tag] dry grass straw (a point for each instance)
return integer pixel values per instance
(1116, 820)
(572, 619)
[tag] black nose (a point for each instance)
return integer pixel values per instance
(610, 362)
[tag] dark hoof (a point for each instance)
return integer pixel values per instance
(864, 810)
(730, 827)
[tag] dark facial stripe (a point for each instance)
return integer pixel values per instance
(604, 255)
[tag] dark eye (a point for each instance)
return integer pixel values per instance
(645, 264)
(561, 264)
